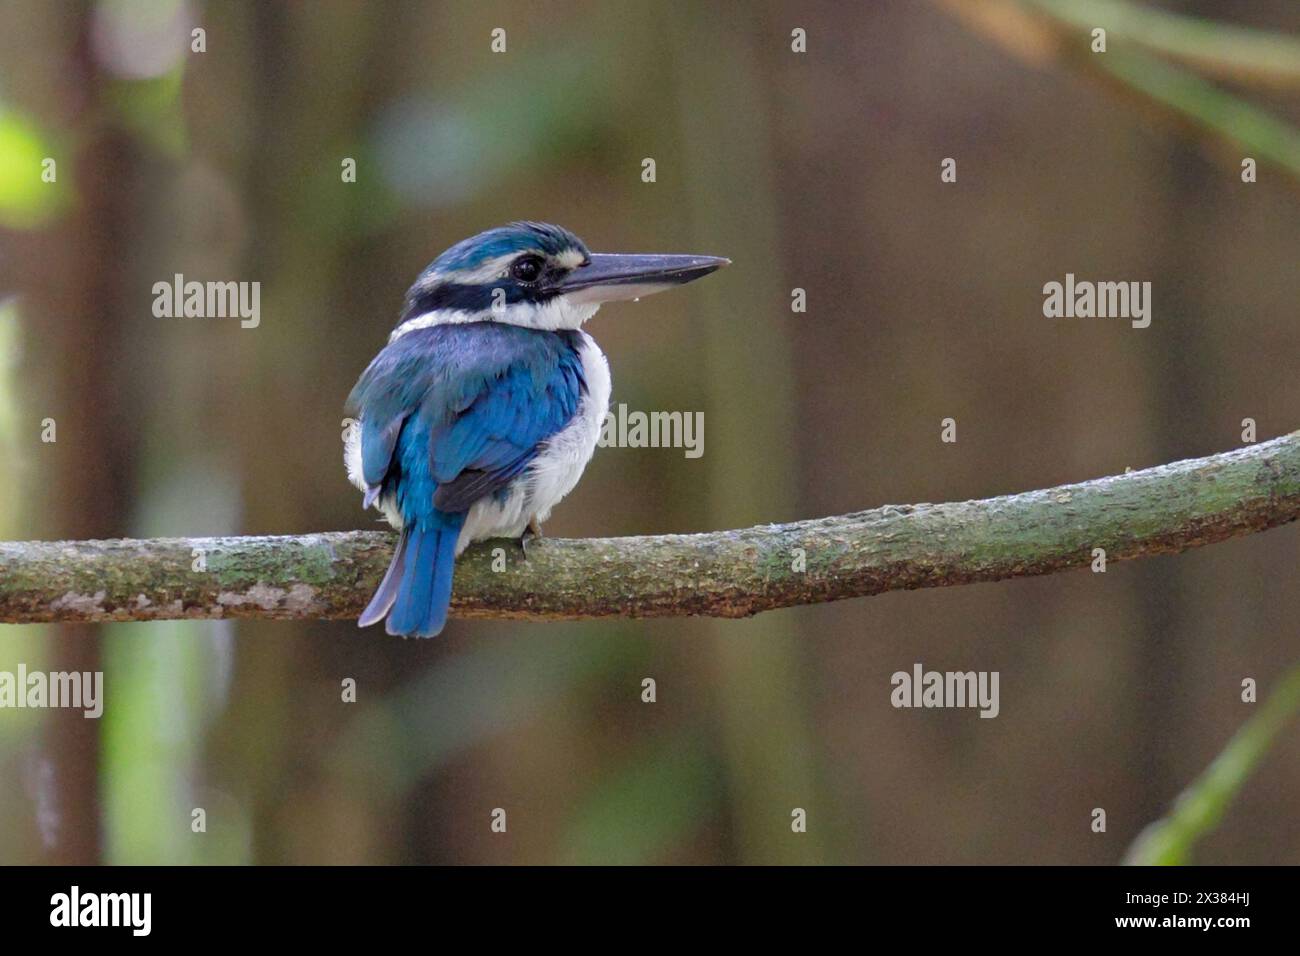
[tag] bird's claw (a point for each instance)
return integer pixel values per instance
(534, 530)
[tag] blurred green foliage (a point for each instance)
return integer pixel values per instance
(1201, 807)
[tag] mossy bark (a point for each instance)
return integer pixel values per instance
(724, 574)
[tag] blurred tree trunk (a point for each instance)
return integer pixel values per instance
(86, 473)
(770, 745)
(316, 69)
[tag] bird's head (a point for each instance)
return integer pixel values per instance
(538, 276)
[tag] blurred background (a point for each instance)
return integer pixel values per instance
(817, 170)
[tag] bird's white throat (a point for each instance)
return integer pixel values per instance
(554, 315)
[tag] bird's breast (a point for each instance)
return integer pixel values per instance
(560, 464)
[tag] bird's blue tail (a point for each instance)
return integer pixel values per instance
(416, 590)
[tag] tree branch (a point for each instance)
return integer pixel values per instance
(724, 574)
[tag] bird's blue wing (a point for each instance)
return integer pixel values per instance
(493, 440)
(460, 411)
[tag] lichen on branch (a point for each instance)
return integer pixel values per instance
(722, 574)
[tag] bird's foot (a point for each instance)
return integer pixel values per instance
(534, 530)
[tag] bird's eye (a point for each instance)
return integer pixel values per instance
(526, 268)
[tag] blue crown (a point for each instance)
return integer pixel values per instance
(539, 237)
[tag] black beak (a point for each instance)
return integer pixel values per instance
(612, 277)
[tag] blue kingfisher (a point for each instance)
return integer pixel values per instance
(486, 404)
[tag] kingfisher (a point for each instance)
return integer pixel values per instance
(486, 404)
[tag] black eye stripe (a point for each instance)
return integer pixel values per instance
(476, 297)
(473, 298)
